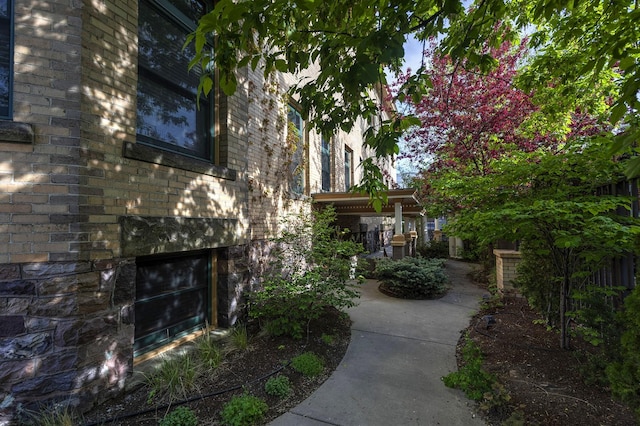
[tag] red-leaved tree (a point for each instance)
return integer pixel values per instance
(468, 117)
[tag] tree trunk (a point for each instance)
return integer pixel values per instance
(564, 301)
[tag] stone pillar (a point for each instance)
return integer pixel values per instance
(407, 244)
(455, 247)
(414, 243)
(398, 217)
(398, 244)
(506, 264)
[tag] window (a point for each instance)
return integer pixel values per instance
(295, 139)
(167, 113)
(172, 298)
(326, 164)
(348, 168)
(6, 58)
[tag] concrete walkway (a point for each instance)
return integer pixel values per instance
(391, 373)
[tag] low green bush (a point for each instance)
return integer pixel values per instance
(434, 250)
(311, 271)
(478, 384)
(244, 410)
(471, 378)
(624, 374)
(181, 416)
(279, 386)
(412, 277)
(308, 364)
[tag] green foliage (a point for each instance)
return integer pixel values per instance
(474, 381)
(279, 386)
(594, 312)
(586, 50)
(311, 272)
(308, 364)
(181, 416)
(239, 338)
(434, 250)
(536, 280)
(175, 378)
(413, 277)
(209, 352)
(624, 375)
(244, 410)
(48, 416)
(328, 339)
(550, 202)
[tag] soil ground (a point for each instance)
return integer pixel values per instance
(543, 382)
(243, 371)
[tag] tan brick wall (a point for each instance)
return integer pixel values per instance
(40, 181)
(506, 268)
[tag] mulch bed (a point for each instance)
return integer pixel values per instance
(543, 381)
(248, 370)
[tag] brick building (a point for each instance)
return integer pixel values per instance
(129, 218)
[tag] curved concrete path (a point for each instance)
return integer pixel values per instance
(399, 350)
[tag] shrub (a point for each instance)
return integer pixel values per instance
(311, 272)
(412, 278)
(244, 410)
(434, 250)
(624, 374)
(308, 364)
(278, 386)
(471, 378)
(181, 416)
(475, 382)
(328, 339)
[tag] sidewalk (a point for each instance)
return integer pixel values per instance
(391, 373)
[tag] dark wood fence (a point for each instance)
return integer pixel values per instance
(622, 271)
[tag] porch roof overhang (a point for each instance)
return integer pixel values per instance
(348, 203)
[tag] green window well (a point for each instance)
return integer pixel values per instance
(172, 298)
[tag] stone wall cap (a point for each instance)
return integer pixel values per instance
(507, 253)
(398, 240)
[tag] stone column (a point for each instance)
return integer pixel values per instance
(398, 245)
(414, 243)
(398, 242)
(506, 268)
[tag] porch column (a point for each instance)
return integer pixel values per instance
(398, 242)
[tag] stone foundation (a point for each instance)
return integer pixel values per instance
(66, 332)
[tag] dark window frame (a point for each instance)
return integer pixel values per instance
(205, 114)
(6, 113)
(154, 339)
(297, 164)
(348, 168)
(325, 162)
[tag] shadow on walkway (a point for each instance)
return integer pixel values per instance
(399, 350)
